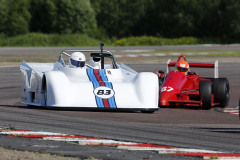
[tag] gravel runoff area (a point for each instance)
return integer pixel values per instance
(7, 154)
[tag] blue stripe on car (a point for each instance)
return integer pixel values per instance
(103, 75)
(96, 84)
(93, 79)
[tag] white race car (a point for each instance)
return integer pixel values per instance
(101, 84)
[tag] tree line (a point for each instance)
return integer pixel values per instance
(210, 19)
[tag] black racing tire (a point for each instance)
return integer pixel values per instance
(205, 93)
(221, 89)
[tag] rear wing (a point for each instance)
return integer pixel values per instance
(197, 65)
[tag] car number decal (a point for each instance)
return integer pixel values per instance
(167, 89)
(104, 92)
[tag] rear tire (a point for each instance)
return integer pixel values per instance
(205, 93)
(221, 91)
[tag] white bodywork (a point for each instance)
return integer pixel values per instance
(58, 85)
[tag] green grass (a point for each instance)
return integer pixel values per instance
(150, 41)
(43, 40)
(74, 40)
(230, 53)
(77, 40)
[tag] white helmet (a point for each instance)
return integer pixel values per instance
(77, 59)
(95, 62)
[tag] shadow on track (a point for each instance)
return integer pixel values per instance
(184, 107)
(71, 108)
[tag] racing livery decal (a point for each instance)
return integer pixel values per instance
(103, 89)
(168, 89)
(103, 92)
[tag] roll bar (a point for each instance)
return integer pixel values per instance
(94, 53)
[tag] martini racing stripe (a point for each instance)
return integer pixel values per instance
(98, 78)
(96, 84)
(102, 78)
(102, 73)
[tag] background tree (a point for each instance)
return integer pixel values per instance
(62, 16)
(43, 14)
(118, 17)
(214, 19)
(218, 19)
(14, 17)
(169, 18)
(64, 12)
(83, 17)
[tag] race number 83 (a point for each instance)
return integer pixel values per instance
(104, 92)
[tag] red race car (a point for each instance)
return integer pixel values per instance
(182, 86)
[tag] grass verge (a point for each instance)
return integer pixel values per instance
(39, 39)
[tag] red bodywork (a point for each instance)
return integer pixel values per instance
(181, 89)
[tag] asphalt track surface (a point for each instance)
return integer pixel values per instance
(178, 127)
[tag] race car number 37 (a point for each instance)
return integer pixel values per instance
(104, 92)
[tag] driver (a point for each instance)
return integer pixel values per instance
(77, 60)
(95, 62)
(182, 66)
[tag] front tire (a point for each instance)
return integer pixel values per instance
(205, 93)
(221, 91)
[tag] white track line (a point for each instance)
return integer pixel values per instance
(90, 141)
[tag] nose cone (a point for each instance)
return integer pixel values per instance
(165, 95)
(171, 87)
